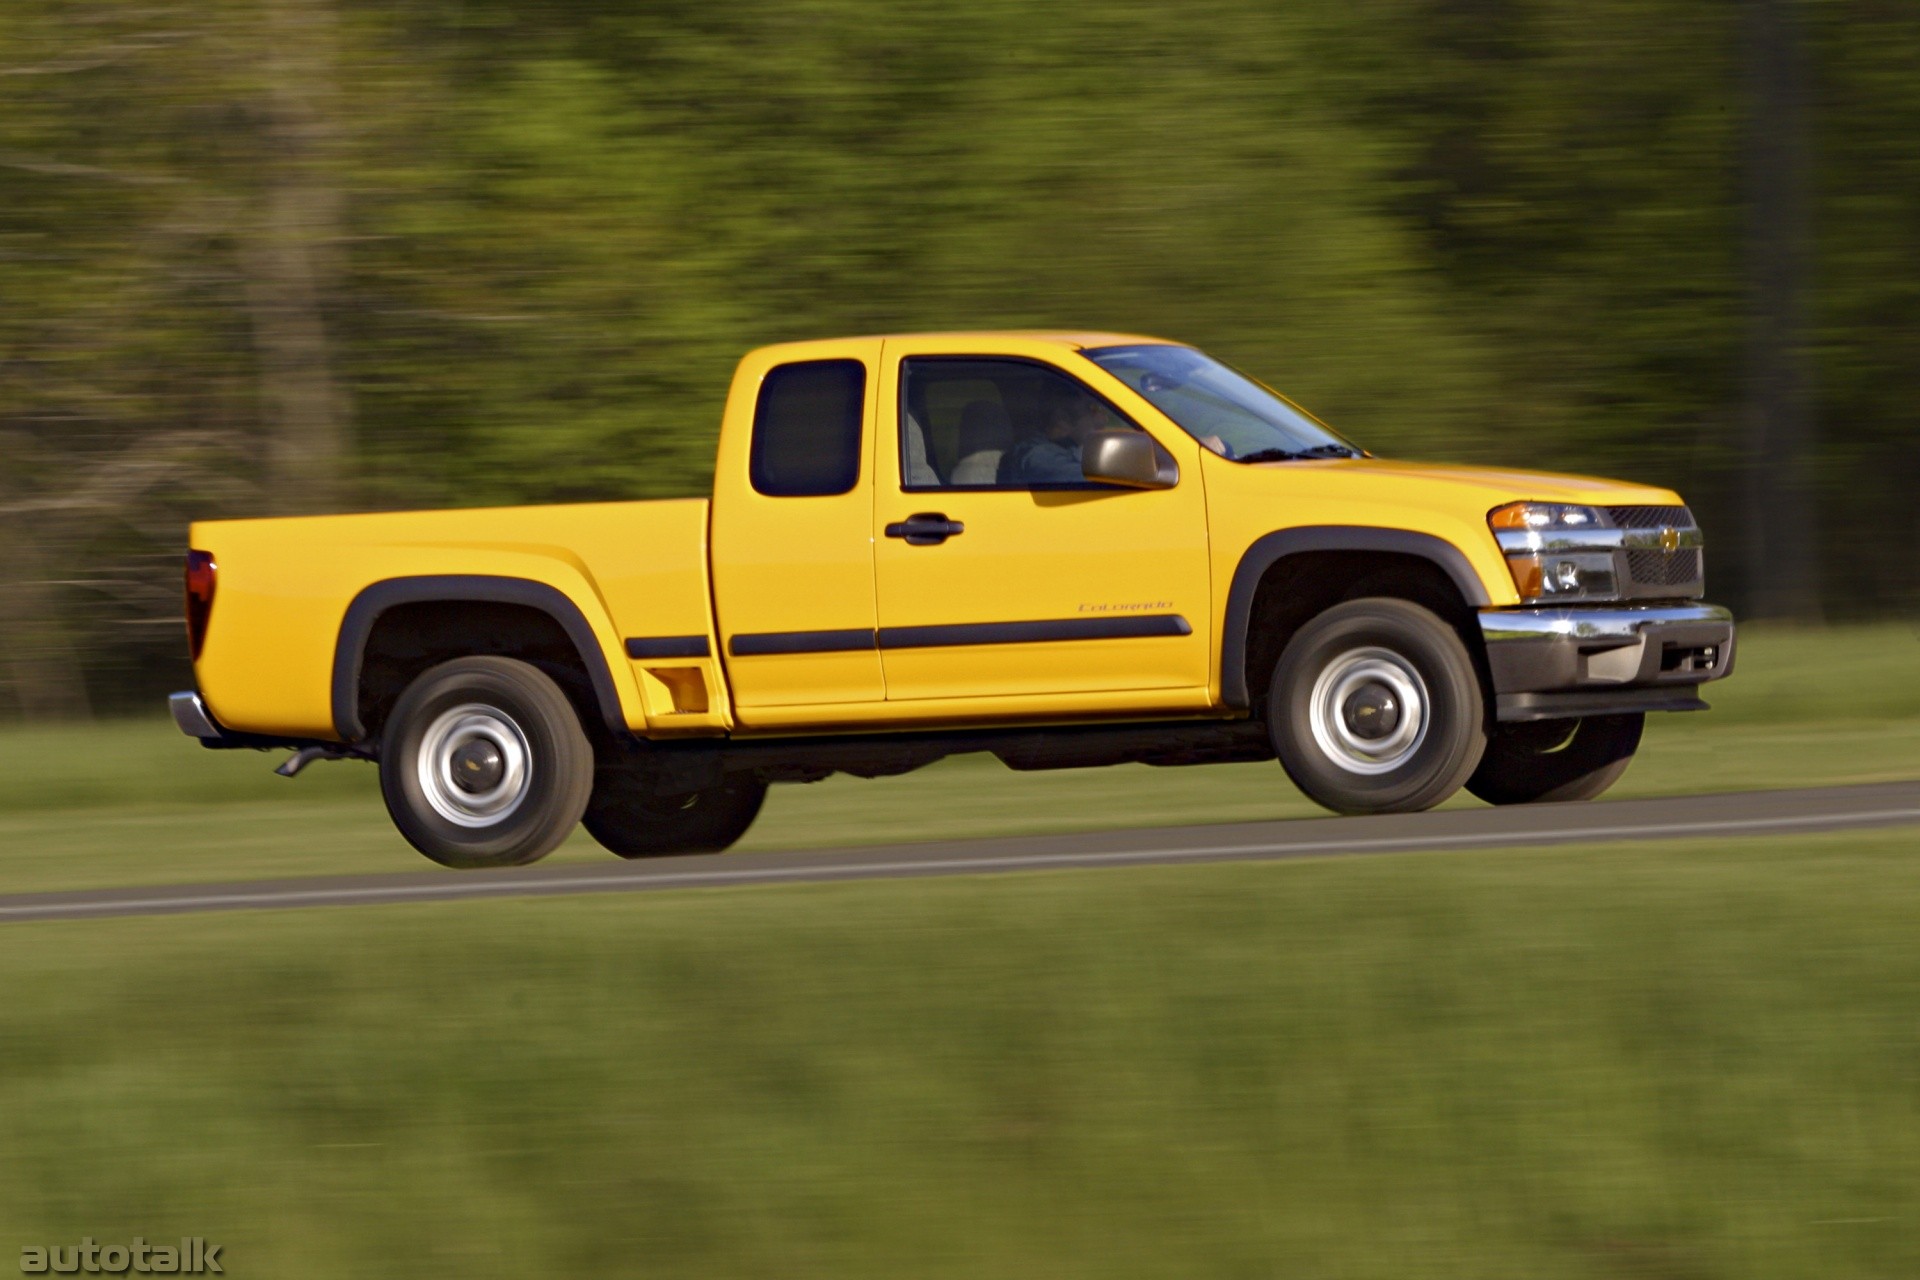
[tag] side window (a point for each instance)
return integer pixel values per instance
(977, 423)
(806, 429)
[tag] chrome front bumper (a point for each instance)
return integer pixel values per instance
(1570, 661)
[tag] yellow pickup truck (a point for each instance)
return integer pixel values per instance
(1066, 549)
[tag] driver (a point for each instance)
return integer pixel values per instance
(1053, 456)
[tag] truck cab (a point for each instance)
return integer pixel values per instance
(1064, 549)
(880, 558)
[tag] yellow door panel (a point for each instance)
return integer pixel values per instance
(793, 571)
(1027, 591)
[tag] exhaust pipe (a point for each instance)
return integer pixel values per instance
(305, 756)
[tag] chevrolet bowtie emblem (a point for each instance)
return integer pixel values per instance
(1669, 540)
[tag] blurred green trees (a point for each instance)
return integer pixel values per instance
(267, 255)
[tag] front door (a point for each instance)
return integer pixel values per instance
(999, 570)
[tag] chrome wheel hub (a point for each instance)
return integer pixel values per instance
(1369, 711)
(474, 766)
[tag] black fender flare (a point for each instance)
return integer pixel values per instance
(349, 651)
(1274, 547)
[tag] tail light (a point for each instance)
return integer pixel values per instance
(201, 572)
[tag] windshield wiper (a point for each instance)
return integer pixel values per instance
(1300, 455)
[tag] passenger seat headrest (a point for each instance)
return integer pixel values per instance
(984, 425)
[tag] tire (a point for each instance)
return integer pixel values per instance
(505, 723)
(1547, 761)
(631, 819)
(1375, 708)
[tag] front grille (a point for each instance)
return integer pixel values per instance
(1651, 517)
(1664, 568)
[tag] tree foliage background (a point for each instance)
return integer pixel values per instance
(271, 255)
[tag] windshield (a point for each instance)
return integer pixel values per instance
(1226, 411)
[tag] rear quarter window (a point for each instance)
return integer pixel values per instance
(807, 429)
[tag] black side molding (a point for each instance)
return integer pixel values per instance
(1127, 627)
(667, 647)
(960, 633)
(1265, 552)
(758, 643)
(350, 649)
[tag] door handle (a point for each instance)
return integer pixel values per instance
(927, 529)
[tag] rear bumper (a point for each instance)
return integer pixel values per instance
(1552, 663)
(191, 714)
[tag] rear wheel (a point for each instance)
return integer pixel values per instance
(1375, 708)
(631, 818)
(483, 764)
(1554, 760)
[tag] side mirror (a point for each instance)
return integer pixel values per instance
(1129, 458)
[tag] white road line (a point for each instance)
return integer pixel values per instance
(454, 889)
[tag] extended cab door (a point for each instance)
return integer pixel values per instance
(792, 547)
(1001, 573)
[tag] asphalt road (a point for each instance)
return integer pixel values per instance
(1712, 816)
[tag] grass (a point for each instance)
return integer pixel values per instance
(1679, 1062)
(1687, 1061)
(131, 803)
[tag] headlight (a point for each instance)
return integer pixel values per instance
(1542, 517)
(1563, 575)
(1548, 555)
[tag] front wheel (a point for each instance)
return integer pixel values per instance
(1375, 708)
(483, 763)
(629, 816)
(1554, 760)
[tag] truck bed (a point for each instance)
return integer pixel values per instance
(285, 586)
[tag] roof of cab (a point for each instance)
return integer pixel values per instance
(1076, 339)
